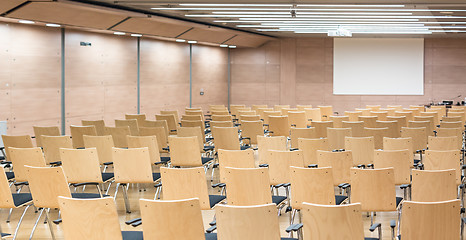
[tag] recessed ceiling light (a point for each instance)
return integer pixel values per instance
(26, 22)
(119, 33)
(180, 40)
(136, 35)
(192, 42)
(223, 45)
(52, 25)
(446, 12)
(232, 46)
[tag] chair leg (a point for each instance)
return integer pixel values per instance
(50, 223)
(125, 196)
(108, 188)
(9, 215)
(116, 191)
(20, 220)
(37, 222)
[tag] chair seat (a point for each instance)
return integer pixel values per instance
(107, 176)
(208, 148)
(245, 147)
(10, 175)
(5, 234)
(206, 160)
(416, 161)
(87, 195)
(398, 201)
(210, 236)
(21, 198)
(339, 199)
(214, 199)
(164, 159)
(278, 199)
(155, 176)
(132, 235)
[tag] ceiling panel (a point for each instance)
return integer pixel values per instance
(71, 14)
(247, 41)
(10, 4)
(152, 26)
(212, 34)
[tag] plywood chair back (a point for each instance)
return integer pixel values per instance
(336, 137)
(398, 144)
(280, 107)
(321, 221)
(174, 112)
(420, 124)
(397, 107)
(98, 124)
(434, 220)
(374, 189)
(365, 111)
(429, 119)
(369, 121)
(261, 111)
(381, 115)
(269, 143)
(285, 111)
(408, 114)
(340, 162)
(139, 117)
(132, 165)
(81, 165)
(418, 136)
(21, 157)
(433, 185)
(192, 132)
(119, 135)
(326, 112)
(400, 160)
(461, 115)
(373, 107)
(89, 218)
(378, 134)
(220, 112)
(191, 117)
(6, 198)
(321, 127)
(155, 123)
(443, 143)
(452, 119)
(393, 129)
(257, 106)
(443, 160)
(415, 111)
(280, 162)
(23, 141)
(171, 122)
(279, 126)
(247, 222)
(184, 151)
(52, 145)
(353, 115)
(450, 132)
(310, 146)
(221, 118)
(302, 107)
(221, 124)
(46, 185)
(103, 144)
(297, 133)
(131, 123)
(44, 131)
(268, 114)
(159, 133)
(249, 118)
(418, 107)
(226, 138)
(457, 124)
(311, 185)
(338, 120)
(234, 159)
(313, 114)
(176, 219)
(402, 120)
(150, 142)
(357, 128)
(245, 112)
(193, 123)
(431, 114)
(362, 149)
(297, 119)
(185, 183)
(251, 129)
(77, 133)
(248, 186)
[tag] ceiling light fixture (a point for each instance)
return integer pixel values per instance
(232, 46)
(192, 42)
(119, 33)
(26, 22)
(316, 13)
(52, 25)
(223, 45)
(180, 40)
(136, 35)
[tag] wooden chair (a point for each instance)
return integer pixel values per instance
(443, 143)
(302, 107)
(373, 107)
(264, 144)
(156, 123)
(234, 159)
(21, 157)
(400, 160)
(261, 111)
(279, 163)
(460, 115)
(402, 120)
(340, 162)
(185, 152)
(44, 131)
(452, 119)
(285, 111)
(357, 128)
(92, 219)
(98, 124)
(249, 118)
(408, 114)
(268, 114)
(398, 144)
(422, 124)
(279, 126)
(313, 114)
(23, 141)
(378, 134)
(220, 124)
(451, 132)
(251, 129)
(244, 112)
(365, 111)
(429, 119)
(397, 107)
(336, 137)
(457, 124)
(326, 112)
(297, 133)
(433, 186)
(431, 114)
(362, 149)
(381, 115)
(104, 145)
(393, 129)
(309, 146)
(141, 118)
(369, 121)
(418, 136)
(119, 135)
(174, 112)
(150, 142)
(131, 123)
(221, 118)
(192, 132)
(52, 145)
(297, 119)
(77, 133)
(186, 183)
(353, 115)
(321, 128)
(338, 120)
(226, 138)
(444, 160)
(171, 122)
(220, 112)
(196, 123)
(191, 117)
(280, 107)
(257, 106)
(138, 170)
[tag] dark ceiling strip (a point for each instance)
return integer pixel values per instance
(15, 8)
(125, 8)
(118, 23)
(184, 32)
(229, 39)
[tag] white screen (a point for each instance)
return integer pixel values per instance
(378, 66)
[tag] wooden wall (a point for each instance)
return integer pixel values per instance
(305, 66)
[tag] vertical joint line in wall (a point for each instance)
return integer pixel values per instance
(229, 77)
(190, 75)
(139, 75)
(63, 113)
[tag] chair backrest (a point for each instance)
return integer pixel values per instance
(220, 112)
(46, 185)
(103, 144)
(81, 165)
(430, 119)
(434, 185)
(184, 151)
(397, 107)
(381, 115)
(311, 185)
(357, 128)
(89, 218)
(280, 162)
(310, 146)
(332, 222)
(313, 114)
(434, 220)
(402, 120)
(285, 111)
(393, 129)
(221, 124)
(25, 156)
(336, 137)
(362, 149)
(139, 117)
(77, 133)
(119, 135)
(234, 159)
(268, 114)
(155, 123)
(353, 116)
(422, 124)
(45, 131)
(365, 111)
(247, 222)
(321, 127)
(340, 162)
(171, 121)
(176, 219)
(249, 118)
(369, 121)
(431, 114)
(132, 165)
(98, 124)
(452, 118)
(248, 186)
(398, 144)
(443, 160)
(269, 143)
(378, 134)
(261, 111)
(297, 133)
(373, 107)
(225, 138)
(131, 123)
(159, 133)
(23, 141)
(449, 132)
(302, 107)
(52, 145)
(185, 183)
(6, 198)
(280, 107)
(150, 142)
(297, 119)
(400, 160)
(279, 126)
(257, 106)
(191, 117)
(374, 189)
(326, 112)
(461, 115)
(193, 123)
(457, 124)
(338, 120)
(245, 112)
(221, 118)
(192, 132)
(174, 112)
(408, 114)
(251, 129)
(443, 143)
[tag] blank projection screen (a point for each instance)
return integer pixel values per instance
(378, 66)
